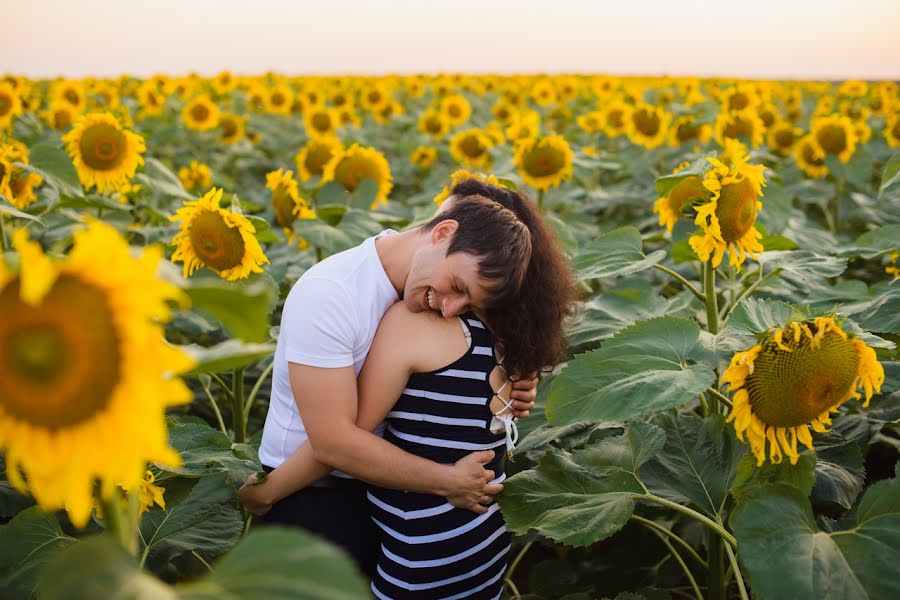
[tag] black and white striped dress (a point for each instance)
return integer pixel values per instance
(429, 548)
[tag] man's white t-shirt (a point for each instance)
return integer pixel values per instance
(329, 320)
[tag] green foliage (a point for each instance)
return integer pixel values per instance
(642, 369)
(27, 542)
(242, 307)
(615, 253)
(230, 354)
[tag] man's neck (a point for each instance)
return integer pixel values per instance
(395, 253)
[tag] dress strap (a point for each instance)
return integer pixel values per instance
(505, 416)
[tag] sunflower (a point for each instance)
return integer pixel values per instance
(544, 92)
(853, 89)
(60, 115)
(104, 154)
(526, 126)
(195, 175)
(87, 374)
(433, 123)
(232, 127)
(544, 162)
(70, 92)
(321, 121)
(353, 165)
(462, 175)
(741, 97)
(768, 114)
(16, 184)
(150, 99)
(224, 83)
(456, 109)
(615, 117)
(280, 100)
(834, 135)
(796, 377)
(647, 125)
(684, 129)
(470, 147)
(375, 97)
(200, 114)
(313, 157)
(892, 130)
(286, 199)
(591, 122)
(423, 156)
(504, 111)
(782, 136)
(810, 157)
(728, 218)
(744, 125)
(10, 104)
(685, 191)
(215, 238)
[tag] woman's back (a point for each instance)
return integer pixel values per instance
(429, 548)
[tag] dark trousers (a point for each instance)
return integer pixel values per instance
(338, 512)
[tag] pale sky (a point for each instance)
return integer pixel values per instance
(745, 38)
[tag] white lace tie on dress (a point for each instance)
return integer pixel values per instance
(505, 420)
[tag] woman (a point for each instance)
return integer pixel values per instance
(453, 399)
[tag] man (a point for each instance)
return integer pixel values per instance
(328, 323)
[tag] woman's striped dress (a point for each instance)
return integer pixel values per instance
(429, 548)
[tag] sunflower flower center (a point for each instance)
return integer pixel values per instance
(317, 158)
(103, 147)
(60, 360)
(544, 161)
(352, 170)
(215, 243)
(832, 138)
(784, 138)
(433, 125)
(321, 122)
(284, 205)
(200, 112)
(72, 96)
(472, 147)
(647, 122)
(788, 389)
(278, 99)
(615, 118)
(739, 101)
(5, 104)
(229, 127)
(736, 210)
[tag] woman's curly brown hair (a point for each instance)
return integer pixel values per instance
(529, 329)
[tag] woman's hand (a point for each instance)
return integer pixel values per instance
(524, 392)
(252, 496)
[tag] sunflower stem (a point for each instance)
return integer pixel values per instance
(715, 574)
(225, 387)
(117, 521)
(687, 284)
(721, 531)
(654, 525)
(720, 397)
(215, 408)
(320, 255)
(709, 288)
(238, 423)
(752, 288)
(248, 405)
(517, 560)
(541, 200)
(681, 562)
(737, 572)
(2, 234)
(834, 206)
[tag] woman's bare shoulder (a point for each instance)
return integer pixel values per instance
(400, 320)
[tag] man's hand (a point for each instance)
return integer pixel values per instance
(471, 488)
(252, 498)
(524, 391)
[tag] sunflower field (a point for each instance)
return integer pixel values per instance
(725, 421)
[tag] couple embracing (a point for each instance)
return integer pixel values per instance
(400, 367)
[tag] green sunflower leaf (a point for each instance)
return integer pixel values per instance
(7, 208)
(802, 266)
(207, 521)
(698, 462)
(801, 476)
(230, 354)
(882, 315)
(55, 167)
(582, 497)
(160, 180)
(98, 567)
(786, 555)
(322, 235)
(642, 369)
(758, 315)
(206, 452)
(874, 243)
(615, 253)
(242, 307)
(280, 564)
(840, 472)
(27, 542)
(891, 174)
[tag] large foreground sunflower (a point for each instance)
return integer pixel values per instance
(352, 166)
(104, 153)
(727, 219)
(796, 377)
(218, 239)
(544, 162)
(87, 375)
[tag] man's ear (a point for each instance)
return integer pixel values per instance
(443, 231)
